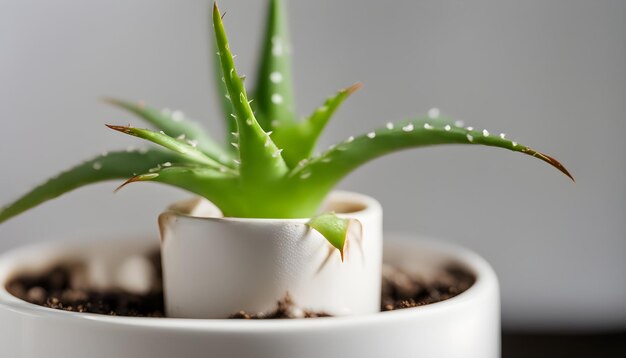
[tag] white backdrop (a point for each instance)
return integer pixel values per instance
(551, 74)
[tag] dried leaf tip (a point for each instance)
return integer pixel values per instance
(555, 163)
(113, 101)
(123, 129)
(355, 87)
(136, 178)
(216, 10)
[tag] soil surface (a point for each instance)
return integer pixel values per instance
(63, 287)
(403, 290)
(285, 308)
(58, 288)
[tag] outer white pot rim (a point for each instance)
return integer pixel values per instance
(484, 276)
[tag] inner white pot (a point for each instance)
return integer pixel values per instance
(214, 267)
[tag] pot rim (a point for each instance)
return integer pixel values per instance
(485, 280)
(368, 203)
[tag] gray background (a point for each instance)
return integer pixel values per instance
(551, 74)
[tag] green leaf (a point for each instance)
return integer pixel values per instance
(335, 229)
(186, 150)
(114, 165)
(218, 186)
(323, 172)
(224, 98)
(260, 159)
(175, 124)
(299, 139)
(274, 90)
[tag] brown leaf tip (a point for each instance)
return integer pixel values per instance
(216, 10)
(123, 129)
(552, 161)
(355, 87)
(128, 181)
(136, 178)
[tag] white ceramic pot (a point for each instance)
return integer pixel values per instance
(467, 325)
(214, 267)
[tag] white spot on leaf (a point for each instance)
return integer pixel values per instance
(277, 47)
(408, 128)
(277, 153)
(277, 99)
(276, 77)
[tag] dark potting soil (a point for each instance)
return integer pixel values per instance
(285, 308)
(403, 290)
(57, 288)
(61, 287)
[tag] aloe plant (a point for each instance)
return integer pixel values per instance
(267, 170)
